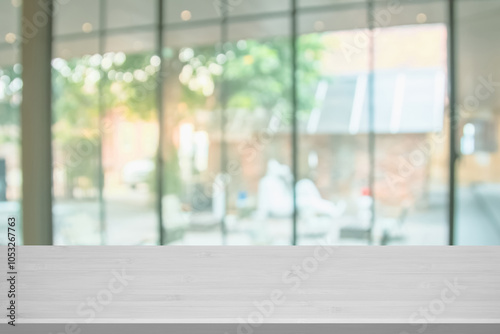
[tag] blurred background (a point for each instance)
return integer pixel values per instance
(252, 122)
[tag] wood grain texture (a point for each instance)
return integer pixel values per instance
(226, 285)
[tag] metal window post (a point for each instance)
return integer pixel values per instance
(159, 104)
(295, 146)
(453, 121)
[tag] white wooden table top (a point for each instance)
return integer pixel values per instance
(335, 285)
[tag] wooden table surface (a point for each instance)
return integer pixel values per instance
(411, 286)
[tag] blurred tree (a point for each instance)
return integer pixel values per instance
(10, 100)
(257, 74)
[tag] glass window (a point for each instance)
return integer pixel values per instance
(257, 91)
(372, 117)
(77, 17)
(193, 200)
(130, 142)
(76, 143)
(411, 124)
(240, 8)
(130, 13)
(332, 199)
(478, 188)
(10, 100)
(189, 12)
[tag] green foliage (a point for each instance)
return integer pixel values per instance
(10, 99)
(252, 74)
(256, 74)
(260, 73)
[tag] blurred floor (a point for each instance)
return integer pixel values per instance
(478, 223)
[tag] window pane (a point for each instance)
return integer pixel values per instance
(130, 143)
(10, 163)
(411, 125)
(327, 3)
(257, 82)
(190, 11)
(130, 13)
(237, 8)
(332, 197)
(69, 48)
(76, 137)
(10, 100)
(10, 23)
(72, 17)
(193, 202)
(478, 213)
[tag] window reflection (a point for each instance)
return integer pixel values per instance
(11, 86)
(226, 124)
(478, 126)
(130, 138)
(76, 139)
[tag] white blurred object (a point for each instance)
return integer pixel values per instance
(219, 197)
(309, 199)
(467, 142)
(275, 199)
(365, 202)
(275, 196)
(173, 215)
(202, 145)
(137, 171)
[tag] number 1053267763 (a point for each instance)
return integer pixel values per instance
(11, 244)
